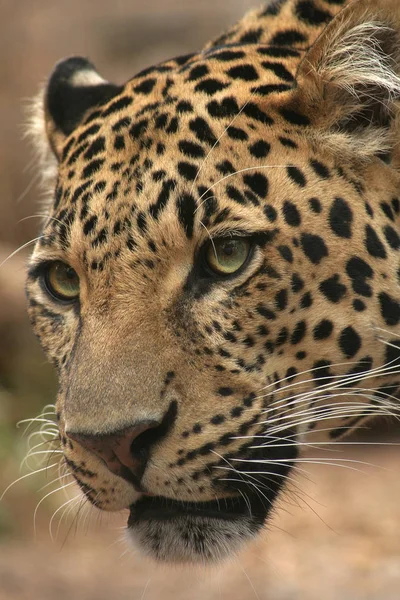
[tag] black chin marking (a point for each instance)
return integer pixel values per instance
(164, 509)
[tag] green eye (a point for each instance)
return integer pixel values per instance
(225, 256)
(62, 282)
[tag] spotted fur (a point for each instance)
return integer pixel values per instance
(283, 131)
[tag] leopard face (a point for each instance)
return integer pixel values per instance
(217, 282)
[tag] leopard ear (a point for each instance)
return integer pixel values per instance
(73, 88)
(349, 82)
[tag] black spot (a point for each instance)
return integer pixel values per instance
(279, 70)
(225, 167)
(95, 148)
(307, 11)
(298, 333)
(373, 243)
(197, 72)
(184, 107)
(186, 206)
(288, 37)
(245, 72)
(286, 253)
(287, 142)
(387, 210)
(90, 225)
(291, 214)
(315, 205)
(281, 299)
(254, 112)
(359, 305)
(283, 336)
(234, 194)
(217, 419)
(92, 168)
(227, 107)
(162, 199)
(227, 55)
(320, 169)
(323, 330)
(202, 130)
(258, 183)
(390, 309)
(396, 205)
(349, 342)
(260, 149)
(265, 312)
(392, 237)
(392, 352)
(270, 88)
(294, 118)
(187, 170)
(85, 134)
(225, 391)
(145, 87)
(138, 129)
(358, 271)
(273, 9)
(297, 176)
(270, 213)
(119, 142)
(142, 222)
(297, 283)
(306, 300)
(210, 86)
(313, 247)
(191, 149)
(235, 133)
(341, 218)
(117, 105)
(332, 289)
(321, 372)
(121, 124)
(251, 37)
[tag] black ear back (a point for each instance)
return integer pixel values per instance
(74, 87)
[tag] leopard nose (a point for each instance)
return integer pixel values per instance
(125, 452)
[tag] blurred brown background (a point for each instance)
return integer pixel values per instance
(336, 535)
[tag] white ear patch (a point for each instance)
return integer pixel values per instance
(86, 78)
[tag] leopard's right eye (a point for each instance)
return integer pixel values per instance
(61, 282)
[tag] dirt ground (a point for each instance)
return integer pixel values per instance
(336, 539)
(335, 536)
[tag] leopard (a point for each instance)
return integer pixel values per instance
(217, 276)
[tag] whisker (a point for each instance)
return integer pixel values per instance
(24, 477)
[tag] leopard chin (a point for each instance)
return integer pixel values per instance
(174, 531)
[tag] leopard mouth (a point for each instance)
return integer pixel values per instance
(174, 531)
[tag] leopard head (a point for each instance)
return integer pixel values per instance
(217, 281)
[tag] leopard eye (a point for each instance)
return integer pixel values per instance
(61, 282)
(226, 256)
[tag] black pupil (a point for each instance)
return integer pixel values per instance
(228, 248)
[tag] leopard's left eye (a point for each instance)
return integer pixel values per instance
(61, 282)
(225, 256)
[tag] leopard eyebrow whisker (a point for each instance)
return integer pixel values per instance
(22, 247)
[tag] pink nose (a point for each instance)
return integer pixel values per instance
(125, 452)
